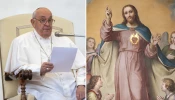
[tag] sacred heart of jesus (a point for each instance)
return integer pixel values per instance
(134, 38)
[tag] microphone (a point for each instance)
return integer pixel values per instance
(57, 34)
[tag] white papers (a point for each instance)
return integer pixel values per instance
(63, 58)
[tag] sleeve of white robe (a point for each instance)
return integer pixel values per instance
(17, 60)
(80, 72)
(78, 66)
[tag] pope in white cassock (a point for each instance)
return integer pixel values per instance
(32, 51)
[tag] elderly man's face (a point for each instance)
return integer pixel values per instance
(43, 22)
(129, 14)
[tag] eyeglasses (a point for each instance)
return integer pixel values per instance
(44, 21)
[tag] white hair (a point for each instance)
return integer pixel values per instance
(34, 13)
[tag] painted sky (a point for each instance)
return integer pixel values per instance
(171, 5)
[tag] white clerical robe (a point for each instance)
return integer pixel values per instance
(26, 53)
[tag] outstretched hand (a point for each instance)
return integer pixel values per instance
(155, 39)
(108, 13)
